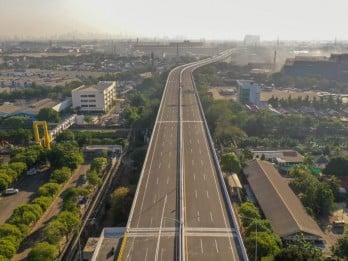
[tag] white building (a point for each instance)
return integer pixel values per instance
(248, 92)
(98, 97)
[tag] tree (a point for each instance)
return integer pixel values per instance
(8, 248)
(230, 163)
(340, 249)
(267, 244)
(43, 252)
(300, 248)
(27, 214)
(66, 135)
(61, 175)
(71, 222)
(262, 225)
(65, 154)
(48, 114)
(12, 232)
(43, 201)
(248, 213)
(121, 201)
(99, 164)
(337, 166)
(93, 178)
(54, 231)
(49, 189)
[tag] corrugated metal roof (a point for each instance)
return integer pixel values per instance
(278, 202)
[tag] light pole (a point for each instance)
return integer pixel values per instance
(253, 219)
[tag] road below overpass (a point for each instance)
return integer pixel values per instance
(180, 211)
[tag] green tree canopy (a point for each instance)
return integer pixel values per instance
(248, 213)
(230, 163)
(48, 114)
(337, 166)
(43, 252)
(99, 164)
(65, 154)
(61, 175)
(267, 244)
(340, 249)
(66, 135)
(121, 201)
(49, 189)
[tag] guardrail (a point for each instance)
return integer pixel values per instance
(217, 165)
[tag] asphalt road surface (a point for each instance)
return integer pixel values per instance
(153, 225)
(27, 186)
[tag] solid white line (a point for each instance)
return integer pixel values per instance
(160, 230)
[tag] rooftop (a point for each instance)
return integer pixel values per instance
(101, 86)
(290, 156)
(278, 202)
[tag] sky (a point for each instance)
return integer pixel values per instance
(185, 19)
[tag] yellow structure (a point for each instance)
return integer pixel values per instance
(46, 140)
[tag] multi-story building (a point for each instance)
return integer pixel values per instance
(94, 98)
(334, 67)
(248, 92)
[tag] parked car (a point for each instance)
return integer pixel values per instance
(11, 191)
(32, 171)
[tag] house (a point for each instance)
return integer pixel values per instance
(279, 203)
(284, 160)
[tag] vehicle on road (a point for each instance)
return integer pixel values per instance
(10, 191)
(32, 171)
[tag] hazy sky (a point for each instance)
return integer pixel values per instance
(209, 19)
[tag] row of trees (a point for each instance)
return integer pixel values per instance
(24, 217)
(321, 103)
(67, 221)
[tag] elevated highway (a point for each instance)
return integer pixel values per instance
(181, 209)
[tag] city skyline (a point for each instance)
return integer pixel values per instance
(222, 20)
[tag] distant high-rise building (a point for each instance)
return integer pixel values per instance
(248, 92)
(251, 39)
